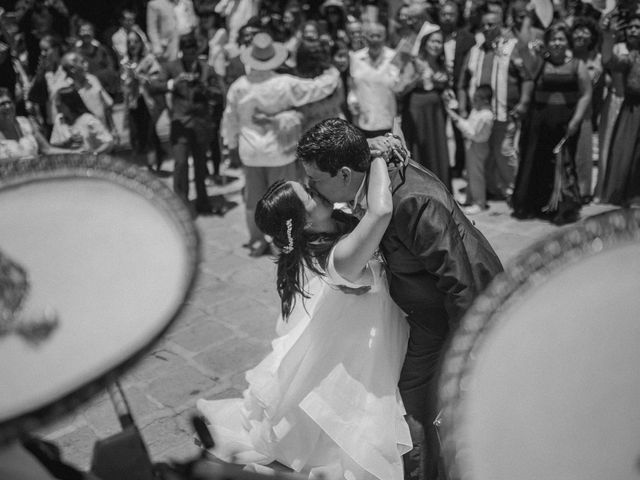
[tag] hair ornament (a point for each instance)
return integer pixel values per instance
(289, 247)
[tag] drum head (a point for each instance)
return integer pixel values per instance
(542, 380)
(107, 248)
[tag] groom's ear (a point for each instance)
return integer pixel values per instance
(345, 174)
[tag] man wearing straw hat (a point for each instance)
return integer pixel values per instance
(260, 126)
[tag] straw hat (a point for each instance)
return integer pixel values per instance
(264, 53)
(544, 11)
(333, 3)
(62, 295)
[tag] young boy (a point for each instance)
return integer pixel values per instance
(477, 130)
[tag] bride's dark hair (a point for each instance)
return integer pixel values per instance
(282, 215)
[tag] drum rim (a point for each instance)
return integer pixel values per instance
(114, 170)
(551, 254)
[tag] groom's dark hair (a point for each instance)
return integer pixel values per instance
(332, 144)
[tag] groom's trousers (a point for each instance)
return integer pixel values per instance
(418, 386)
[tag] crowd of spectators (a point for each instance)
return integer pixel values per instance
(514, 95)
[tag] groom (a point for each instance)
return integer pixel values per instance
(438, 262)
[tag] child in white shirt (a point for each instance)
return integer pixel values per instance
(476, 129)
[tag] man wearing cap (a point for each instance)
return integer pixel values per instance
(196, 90)
(267, 148)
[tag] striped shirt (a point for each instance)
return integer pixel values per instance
(502, 67)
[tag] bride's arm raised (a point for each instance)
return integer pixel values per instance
(352, 253)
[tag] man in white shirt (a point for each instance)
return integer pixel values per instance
(259, 125)
(119, 38)
(186, 17)
(372, 100)
(162, 27)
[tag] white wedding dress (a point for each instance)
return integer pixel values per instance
(325, 401)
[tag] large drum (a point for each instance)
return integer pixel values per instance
(108, 254)
(542, 380)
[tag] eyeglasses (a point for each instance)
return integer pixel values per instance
(6, 103)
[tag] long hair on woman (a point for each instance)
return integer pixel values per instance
(440, 60)
(311, 60)
(557, 27)
(137, 50)
(282, 215)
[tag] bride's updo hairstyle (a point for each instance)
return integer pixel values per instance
(282, 215)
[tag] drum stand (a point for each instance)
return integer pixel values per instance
(122, 456)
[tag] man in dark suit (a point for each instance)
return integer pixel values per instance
(457, 43)
(438, 261)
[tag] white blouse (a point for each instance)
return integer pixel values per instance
(24, 148)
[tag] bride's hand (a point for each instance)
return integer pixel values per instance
(391, 148)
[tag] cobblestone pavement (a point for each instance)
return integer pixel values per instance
(225, 328)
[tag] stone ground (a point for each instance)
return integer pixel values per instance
(225, 328)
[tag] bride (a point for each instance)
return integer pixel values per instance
(325, 401)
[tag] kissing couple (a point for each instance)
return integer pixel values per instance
(369, 300)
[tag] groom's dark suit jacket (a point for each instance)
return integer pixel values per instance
(438, 261)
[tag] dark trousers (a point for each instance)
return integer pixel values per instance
(459, 162)
(142, 130)
(216, 157)
(419, 389)
(186, 141)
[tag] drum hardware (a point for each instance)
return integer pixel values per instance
(64, 219)
(34, 328)
(124, 455)
(88, 232)
(544, 365)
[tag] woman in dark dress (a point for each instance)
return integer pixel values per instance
(585, 36)
(544, 187)
(423, 113)
(622, 177)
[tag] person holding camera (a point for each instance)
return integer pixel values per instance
(195, 90)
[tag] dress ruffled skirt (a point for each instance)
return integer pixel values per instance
(325, 400)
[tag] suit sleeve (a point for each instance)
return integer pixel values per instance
(427, 229)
